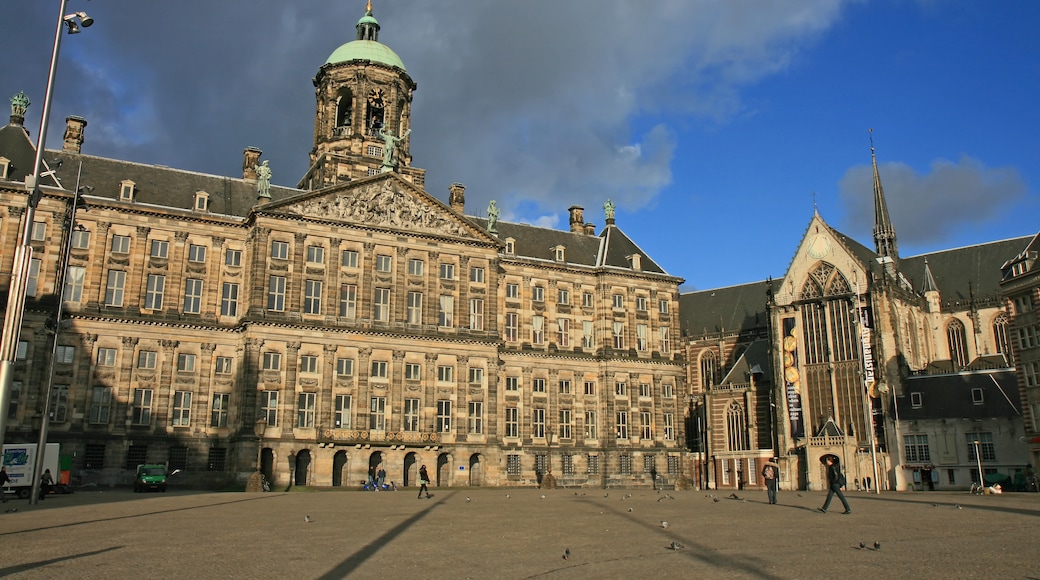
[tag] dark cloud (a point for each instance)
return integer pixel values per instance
(930, 208)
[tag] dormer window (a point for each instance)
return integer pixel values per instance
(559, 253)
(510, 246)
(635, 261)
(201, 201)
(126, 190)
(5, 167)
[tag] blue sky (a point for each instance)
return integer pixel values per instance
(709, 124)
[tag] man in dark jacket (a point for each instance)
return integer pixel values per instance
(835, 481)
(770, 475)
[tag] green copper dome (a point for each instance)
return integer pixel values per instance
(365, 50)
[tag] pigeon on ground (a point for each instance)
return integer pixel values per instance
(664, 524)
(958, 507)
(307, 518)
(567, 554)
(676, 546)
(467, 499)
(715, 499)
(877, 545)
(543, 496)
(862, 545)
(629, 509)
(606, 495)
(507, 496)
(935, 505)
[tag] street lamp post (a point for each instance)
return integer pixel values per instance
(23, 252)
(59, 290)
(978, 461)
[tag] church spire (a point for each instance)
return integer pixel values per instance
(884, 232)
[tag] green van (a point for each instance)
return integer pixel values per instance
(150, 477)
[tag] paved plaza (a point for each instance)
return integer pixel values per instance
(518, 533)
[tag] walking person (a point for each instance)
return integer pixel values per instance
(46, 482)
(835, 481)
(424, 478)
(770, 474)
(381, 478)
(4, 480)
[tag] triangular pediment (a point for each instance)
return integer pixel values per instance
(826, 262)
(383, 202)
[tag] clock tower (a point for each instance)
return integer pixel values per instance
(363, 115)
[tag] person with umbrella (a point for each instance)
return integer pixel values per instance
(835, 481)
(770, 474)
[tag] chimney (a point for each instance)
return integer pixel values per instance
(73, 134)
(457, 197)
(250, 159)
(19, 103)
(590, 229)
(577, 219)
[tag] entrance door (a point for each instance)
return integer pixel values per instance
(303, 464)
(339, 464)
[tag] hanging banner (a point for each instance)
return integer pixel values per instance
(792, 379)
(866, 336)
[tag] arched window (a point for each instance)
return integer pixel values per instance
(736, 428)
(913, 341)
(709, 369)
(1000, 337)
(958, 342)
(344, 107)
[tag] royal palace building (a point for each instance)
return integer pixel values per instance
(222, 324)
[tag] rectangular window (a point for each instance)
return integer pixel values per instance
(915, 447)
(621, 389)
(537, 385)
(642, 343)
(985, 445)
(312, 296)
(185, 362)
(276, 293)
(593, 466)
(379, 369)
(513, 464)
(512, 383)
(216, 459)
(381, 305)
(308, 364)
(141, 407)
(94, 456)
(512, 290)
(136, 455)
(512, 422)
(446, 312)
(512, 327)
(476, 417)
(476, 314)
(218, 415)
(349, 259)
(646, 425)
(344, 367)
(590, 425)
(384, 263)
(587, 299)
(915, 400)
(977, 397)
(120, 245)
(563, 332)
(39, 231)
(348, 301)
(415, 267)
(411, 415)
(316, 255)
(641, 303)
(377, 413)
(279, 250)
(106, 357)
(649, 463)
(341, 416)
(154, 290)
(538, 423)
(269, 407)
(114, 288)
(272, 361)
(447, 271)
(222, 365)
(232, 257)
(22, 351)
(669, 426)
(565, 424)
(229, 299)
(622, 424)
(414, 313)
(476, 376)
(32, 284)
(588, 334)
(445, 374)
(565, 387)
(100, 405)
(305, 410)
(476, 275)
(618, 300)
(644, 390)
(159, 249)
(412, 371)
(625, 464)
(666, 339)
(64, 354)
(196, 253)
(80, 239)
(74, 277)
(667, 390)
(59, 403)
(181, 408)
(537, 330)
(192, 296)
(590, 388)
(662, 306)
(563, 297)
(146, 359)
(537, 294)
(619, 335)
(177, 458)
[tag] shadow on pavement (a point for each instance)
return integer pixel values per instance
(33, 565)
(953, 504)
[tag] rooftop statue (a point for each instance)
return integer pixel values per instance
(263, 179)
(493, 217)
(608, 209)
(390, 148)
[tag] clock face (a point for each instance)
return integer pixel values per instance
(819, 247)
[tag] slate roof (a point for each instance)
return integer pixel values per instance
(953, 270)
(16, 146)
(949, 396)
(754, 360)
(734, 308)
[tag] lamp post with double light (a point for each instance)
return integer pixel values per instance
(23, 252)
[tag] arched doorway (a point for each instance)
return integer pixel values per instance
(411, 469)
(267, 463)
(445, 465)
(303, 464)
(339, 467)
(476, 471)
(375, 462)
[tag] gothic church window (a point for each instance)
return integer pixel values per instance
(709, 369)
(736, 428)
(958, 343)
(1001, 338)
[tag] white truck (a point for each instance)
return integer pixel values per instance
(20, 460)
